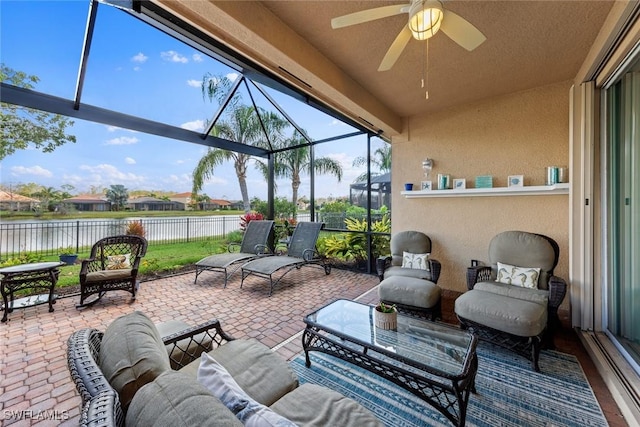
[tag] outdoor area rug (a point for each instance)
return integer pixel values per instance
(509, 392)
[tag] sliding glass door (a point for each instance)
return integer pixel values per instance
(623, 188)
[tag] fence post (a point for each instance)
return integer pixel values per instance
(77, 236)
(187, 229)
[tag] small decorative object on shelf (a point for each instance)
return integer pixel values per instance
(386, 316)
(426, 185)
(444, 181)
(459, 184)
(515, 181)
(408, 186)
(427, 165)
(484, 181)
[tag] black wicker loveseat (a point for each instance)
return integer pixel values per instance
(130, 375)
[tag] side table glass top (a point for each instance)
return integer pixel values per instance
(434, 347)
(27, 268)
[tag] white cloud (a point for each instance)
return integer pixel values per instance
(194, 83)
(122, 140)
(129, 161)
(178, 181)
(336, 122)
(173, 56)
(197, 57)
(33, 170)
(196, 125)
(140, 58)
(106, 175)
(116, 128)
(232, 76)
(137, 68)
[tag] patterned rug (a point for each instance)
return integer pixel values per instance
(509, 392)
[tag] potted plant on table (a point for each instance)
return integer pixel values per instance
(68, 255)
(386, 316)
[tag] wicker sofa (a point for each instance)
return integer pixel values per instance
(130, 375)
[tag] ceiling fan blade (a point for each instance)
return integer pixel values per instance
(461, 31)
(368, 15)
(396, 49)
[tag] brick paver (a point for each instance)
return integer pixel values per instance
(35, 385)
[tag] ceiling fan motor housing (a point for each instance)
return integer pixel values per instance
(425, 17)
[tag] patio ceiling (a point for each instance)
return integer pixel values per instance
(529, 44)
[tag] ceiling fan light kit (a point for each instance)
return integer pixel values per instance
(425, 18)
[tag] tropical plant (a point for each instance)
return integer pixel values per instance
(385, 308)
(282, 207)
(67, 250)
(135, 228)
(23, 127)
(353, 246)
(118, 196)
(245, 127)
(295, 162)
(381, 159)
(248, 217)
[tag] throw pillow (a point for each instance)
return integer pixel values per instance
(221, 384)
(525, 277)
(118, 262)
(415, 261)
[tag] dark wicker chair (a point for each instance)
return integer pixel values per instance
(520, 319)
(414, 291)
(113, 265)
(100, 403)
(301, 250)
(258, 240)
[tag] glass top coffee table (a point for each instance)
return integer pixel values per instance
(436, 362)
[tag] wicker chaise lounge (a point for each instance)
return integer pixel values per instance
(300, 251)
(257, 241)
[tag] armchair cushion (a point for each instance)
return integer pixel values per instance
(515, 316)
(409, 291)
(539, 296)
(407, 272)
(525, 277)
(217, 380)
(132, 354)
(174, 399)
(103, 275)
(414, 242)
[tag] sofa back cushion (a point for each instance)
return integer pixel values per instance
(523, 249)
(176, 400)
(414, 242)
(132, 354)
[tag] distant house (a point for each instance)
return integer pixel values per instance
(89, 203)
(154, 204)
(184, 198)
(16, 202)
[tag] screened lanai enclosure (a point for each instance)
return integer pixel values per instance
(132, 76)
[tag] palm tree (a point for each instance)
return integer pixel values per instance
(297, 161)
(243, 126)
(381, 159)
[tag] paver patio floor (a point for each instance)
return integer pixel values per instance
(35, 383)
(33, 369)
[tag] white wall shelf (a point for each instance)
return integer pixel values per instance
(533, 190)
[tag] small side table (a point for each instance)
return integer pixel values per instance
(41, 276)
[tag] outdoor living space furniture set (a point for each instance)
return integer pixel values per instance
(127, 375)
(513, 302)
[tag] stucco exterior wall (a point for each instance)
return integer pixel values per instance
(517, 134)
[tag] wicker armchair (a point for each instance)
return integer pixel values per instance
(113, 265)
(520, 318)
(413, 290)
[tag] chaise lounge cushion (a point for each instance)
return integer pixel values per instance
(259, 371)
(132, 354)
(540, 296)
(175, 400)
(521, 317)
(323, 407)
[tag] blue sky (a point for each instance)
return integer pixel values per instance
(138, 70)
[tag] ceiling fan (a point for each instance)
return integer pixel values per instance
(426, 17)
